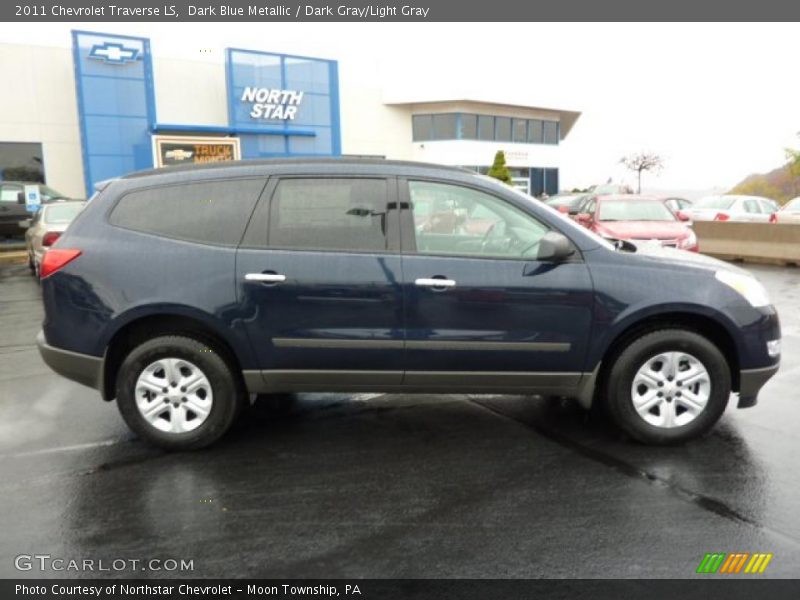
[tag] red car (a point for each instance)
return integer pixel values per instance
(632, 217)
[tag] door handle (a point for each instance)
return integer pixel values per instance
(265, 277)
(435, 282)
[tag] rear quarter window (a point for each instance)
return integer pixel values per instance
(211, 212)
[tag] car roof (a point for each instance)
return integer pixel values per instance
(640, 197)
(271, 165)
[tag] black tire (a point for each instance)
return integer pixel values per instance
(618, 391)
(31, 265)
(227, 391)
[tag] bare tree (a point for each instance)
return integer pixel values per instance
(642, 161)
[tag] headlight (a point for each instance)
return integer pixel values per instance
(746, 285)
(689, 241)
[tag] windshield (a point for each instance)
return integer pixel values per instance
(62, 213)
(48, 193)
(793, 205)
(565, 200)
(630, 210)
(718, 202)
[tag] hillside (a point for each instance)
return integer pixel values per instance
(778, 184)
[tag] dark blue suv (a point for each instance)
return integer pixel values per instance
(181, 292)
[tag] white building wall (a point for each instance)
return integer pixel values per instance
(38, 104)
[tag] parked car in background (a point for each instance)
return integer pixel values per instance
(611, 188)
(677, 205)
(567, 203)
(12, 204)
(46, 226)
(182, 291)
(731, 207)
(633, 217)
(789, 212)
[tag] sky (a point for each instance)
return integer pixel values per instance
(716, 101)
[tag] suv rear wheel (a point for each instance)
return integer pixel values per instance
(178, 393)
(668, 386)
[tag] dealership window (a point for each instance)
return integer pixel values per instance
(485, 127)
(502, 129)
(422, 128)
(444, 127)
(21, 161)
(214, 212)
(535, 133)
(520, 131)
(491, 128)
(469, 127)
(329, 214)
(551, 132)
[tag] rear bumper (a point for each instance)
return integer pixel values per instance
(82, 368)
(751, 381)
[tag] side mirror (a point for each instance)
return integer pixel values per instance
(682, 216)
(25, 223)
(554, 246)
(20, 197)
(583, 218)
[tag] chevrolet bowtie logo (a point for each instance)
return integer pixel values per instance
(111, 52)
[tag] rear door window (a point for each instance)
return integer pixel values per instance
(752, 206)
(344, 214)
(212, 212)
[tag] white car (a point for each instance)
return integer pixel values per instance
(731, 207)
(46, 227)
(790, 213)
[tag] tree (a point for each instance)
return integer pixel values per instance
(642, 161)
(793, 156)
(499, 169)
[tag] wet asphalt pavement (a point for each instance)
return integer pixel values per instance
(392, 486)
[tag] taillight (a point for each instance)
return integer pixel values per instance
(721, 217)
(563, 209)
(50, 237)
(55, 259)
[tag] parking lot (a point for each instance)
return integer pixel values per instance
(390, 485)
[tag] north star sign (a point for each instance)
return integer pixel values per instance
(272, 104)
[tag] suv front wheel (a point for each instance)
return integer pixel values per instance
(178, 393)
(668, 386)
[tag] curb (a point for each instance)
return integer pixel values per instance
(14, 258)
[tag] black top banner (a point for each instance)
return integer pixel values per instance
(408, 10)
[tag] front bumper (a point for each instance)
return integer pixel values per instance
(82, 368)
(751, 381)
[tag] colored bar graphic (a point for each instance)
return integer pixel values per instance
(733, 563)
(711, 562)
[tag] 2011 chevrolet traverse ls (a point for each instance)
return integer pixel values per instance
(181, 291)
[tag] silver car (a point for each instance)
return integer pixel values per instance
(790, 213)
(732, 207)
(45, 227)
